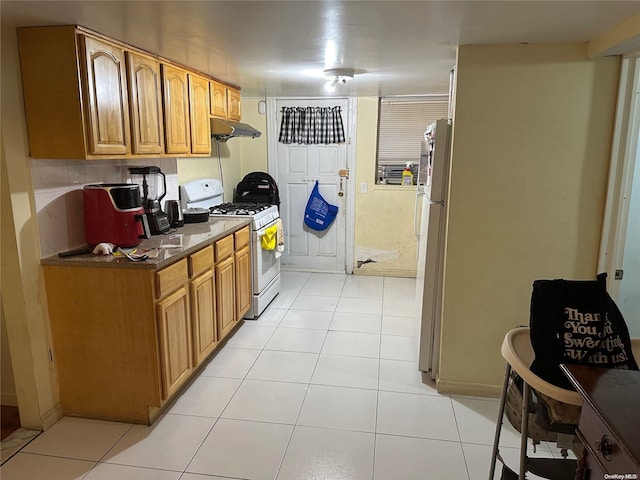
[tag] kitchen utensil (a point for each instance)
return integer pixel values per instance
(76, 251)
(196, 215)
(154, 187)
(133, 256)
(174, 212)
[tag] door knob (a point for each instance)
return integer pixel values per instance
(605, 447)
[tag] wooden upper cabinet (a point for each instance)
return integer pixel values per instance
(233, 104)
(175, 91)
(147, 130)
(218, 93)
(225, 101)
(87, 96)
(75, 94)
(105, 93)
(199, 114)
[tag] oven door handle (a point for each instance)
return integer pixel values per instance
(260, 233)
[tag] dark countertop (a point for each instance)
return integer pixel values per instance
(613, 394)
(171, 247)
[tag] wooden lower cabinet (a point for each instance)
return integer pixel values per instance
(225, 294)
(174, 328)
(127, 338)
(203, 315)
(106, 344)
(244, 291)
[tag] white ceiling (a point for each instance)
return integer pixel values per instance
(273, 48)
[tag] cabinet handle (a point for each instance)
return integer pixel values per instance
(605, 447)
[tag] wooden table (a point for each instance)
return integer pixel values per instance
(609, 422)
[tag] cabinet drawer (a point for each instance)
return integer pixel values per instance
(224, 248)
(241, 237)
(595, 434)
(171, 278)
(200, 261)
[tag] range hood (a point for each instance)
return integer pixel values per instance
(223, 130)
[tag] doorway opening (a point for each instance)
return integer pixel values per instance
(620, 245)
(296, 168)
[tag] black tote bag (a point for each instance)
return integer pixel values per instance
(576, 322)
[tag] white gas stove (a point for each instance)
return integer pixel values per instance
(265, 264)
(261, 213)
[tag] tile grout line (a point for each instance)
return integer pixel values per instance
(455, 418)
(308, 385)
(284, 454)
(375, 428)
(242, 380)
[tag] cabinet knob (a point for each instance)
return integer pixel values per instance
(605, 447)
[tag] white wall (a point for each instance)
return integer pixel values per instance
(57, 187)
(238, 156)
(7, 383)
(23, 294)
(531, 144)
(254, 150)
(384, 213)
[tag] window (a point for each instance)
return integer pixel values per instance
(401, 125)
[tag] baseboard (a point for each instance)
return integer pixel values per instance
(385, 272)
(10, 399)
(453, 387)
(52, 416)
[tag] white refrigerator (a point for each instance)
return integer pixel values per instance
(430, 229)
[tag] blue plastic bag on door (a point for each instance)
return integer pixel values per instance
(319, 213)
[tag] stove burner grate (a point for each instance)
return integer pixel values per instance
(238, 208)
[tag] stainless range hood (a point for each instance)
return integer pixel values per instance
(223, 130)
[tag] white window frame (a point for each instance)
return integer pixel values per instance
(402, 121)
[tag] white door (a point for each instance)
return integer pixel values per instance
(629, 292)
(620, 250)
(298, 167)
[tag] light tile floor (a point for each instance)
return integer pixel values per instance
(324, 385)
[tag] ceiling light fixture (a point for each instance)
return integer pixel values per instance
(337, 75)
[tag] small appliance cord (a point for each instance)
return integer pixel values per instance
(220, 169)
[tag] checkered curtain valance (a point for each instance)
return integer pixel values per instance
(311, 125)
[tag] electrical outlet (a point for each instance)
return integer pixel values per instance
(364, 186)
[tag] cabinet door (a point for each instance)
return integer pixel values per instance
(233, 104)
(243, 281)
(176, 110)
(199, 114)
(147, 131)
(218, 93)
(225, 296)
(174, 328)
(105, 93)
(203, 315)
